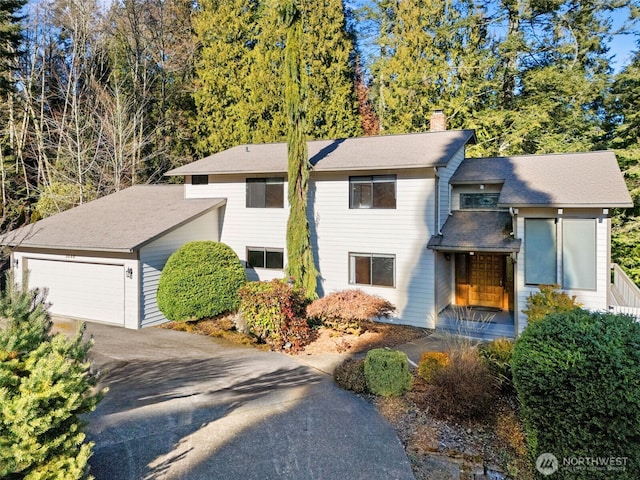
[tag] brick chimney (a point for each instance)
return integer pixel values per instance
(438, 122)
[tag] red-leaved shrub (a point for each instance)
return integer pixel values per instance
(274, 312)
(347, 310)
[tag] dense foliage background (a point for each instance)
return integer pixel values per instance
(97, 96)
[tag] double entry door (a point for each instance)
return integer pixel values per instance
(482, 280)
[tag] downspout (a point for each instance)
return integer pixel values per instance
(436, 216)
(514, 226)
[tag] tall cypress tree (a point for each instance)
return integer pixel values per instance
(301, 266)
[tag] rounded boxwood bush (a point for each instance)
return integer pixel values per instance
(387, 372)
(577, 375)
(200, 280)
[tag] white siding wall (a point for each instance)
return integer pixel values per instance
(154, 256)
(444, 281)
(590, 299)
(246, 227)
(130, 284)
(445, 204)
(403, 232)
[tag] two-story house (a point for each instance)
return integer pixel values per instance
(405, 217)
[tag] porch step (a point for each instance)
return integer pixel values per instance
(477, 330)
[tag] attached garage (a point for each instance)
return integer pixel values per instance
(101, 261)
(80, 290)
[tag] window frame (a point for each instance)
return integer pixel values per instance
(575, 265)
(531, 261)
(200, 179)
(256, 199)
(371, 181)
(477, 205)
(353, 274)
(265, 251)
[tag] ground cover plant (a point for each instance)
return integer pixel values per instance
(577, 375)
(200, 280)
(46, 383)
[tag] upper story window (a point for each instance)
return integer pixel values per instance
(372, 191)
(575, 252)
(199, 179)
(265, 192)
(478, 201)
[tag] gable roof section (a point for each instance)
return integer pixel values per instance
(363, 153)
(478, 231)
(591, 179)
(121, 222)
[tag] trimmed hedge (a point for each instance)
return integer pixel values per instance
(577, 375)
(200, 280)
(387, 372)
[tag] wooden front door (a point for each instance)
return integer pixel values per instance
(486, 280)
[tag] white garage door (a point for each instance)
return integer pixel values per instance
(91, 291)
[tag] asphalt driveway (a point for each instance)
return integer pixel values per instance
(183, 406)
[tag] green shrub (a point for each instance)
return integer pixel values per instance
(200, 280)
(350, 375)
(387, 372)
(464, 388)
(430, 363)
(45, 386)
(577, 375)
(347, 310)
(496, 355)
(547, 301)
(274, 312)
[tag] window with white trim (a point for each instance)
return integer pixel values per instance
(372, 269)
(372, 191)
(540, 253)
(573, 249)
(265, 192)
(260, 257)
(579, 253)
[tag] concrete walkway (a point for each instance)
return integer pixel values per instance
(183, 406)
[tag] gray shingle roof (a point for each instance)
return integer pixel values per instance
(478, 231)
(121, 222)
(591, 179)
(362, 153)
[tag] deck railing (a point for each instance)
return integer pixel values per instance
(625, 294)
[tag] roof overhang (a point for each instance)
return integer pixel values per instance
(476, 231)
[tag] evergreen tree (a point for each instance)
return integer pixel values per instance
(10, 36)
(240, 85)
(429, 58)
(625, 139)
(300, 266)
(45, 384)
(226, 30)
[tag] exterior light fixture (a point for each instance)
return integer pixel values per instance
(129, 272)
